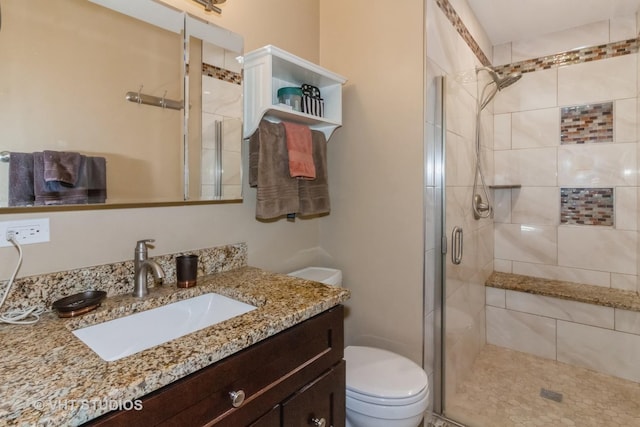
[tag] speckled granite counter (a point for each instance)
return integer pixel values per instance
(47, 372)
(598, 295)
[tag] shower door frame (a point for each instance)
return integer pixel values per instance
(441, 250)
(440, 243)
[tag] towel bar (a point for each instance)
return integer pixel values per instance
(5, 156)
(156, 101)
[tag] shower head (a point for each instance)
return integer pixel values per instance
(508, 80)
(501, 82)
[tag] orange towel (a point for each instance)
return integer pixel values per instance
(300, 148)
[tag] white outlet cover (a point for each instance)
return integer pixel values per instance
(41, 223)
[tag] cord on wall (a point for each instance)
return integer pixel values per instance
(26, 316)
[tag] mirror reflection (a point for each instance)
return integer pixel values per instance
(65, 69)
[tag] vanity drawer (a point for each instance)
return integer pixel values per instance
(267, 372)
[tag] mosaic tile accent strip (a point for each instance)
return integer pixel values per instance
(117, 278)
(221, 74)
(576, 56)
(586, 206)
(586, 123)
(453, 16)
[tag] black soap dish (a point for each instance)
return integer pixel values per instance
(78, 304)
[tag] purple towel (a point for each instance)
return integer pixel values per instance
(21, 179)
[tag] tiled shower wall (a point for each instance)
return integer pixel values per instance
(530, 238)
(221, 102)
(449, 54)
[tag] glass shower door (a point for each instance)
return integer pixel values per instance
(466, 246)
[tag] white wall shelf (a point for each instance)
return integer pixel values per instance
(270, 68)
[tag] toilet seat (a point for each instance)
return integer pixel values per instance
(388, 401)
(382, 377)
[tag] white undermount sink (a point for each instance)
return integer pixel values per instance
(125, 336)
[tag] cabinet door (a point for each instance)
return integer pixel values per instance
(321, 403)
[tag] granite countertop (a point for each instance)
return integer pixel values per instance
(599, 295)
(51, 378)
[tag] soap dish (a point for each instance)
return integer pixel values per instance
(78, 304)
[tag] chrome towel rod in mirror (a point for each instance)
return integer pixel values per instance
(156, 101)
(5, 156)
(209, 5)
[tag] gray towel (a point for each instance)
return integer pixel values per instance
(314, 194)
(254, 155)
(96, 169)
(53, 192)
(21, 179)
(277, 192)
(62, 167)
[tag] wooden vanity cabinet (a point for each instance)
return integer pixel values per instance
(295, 378)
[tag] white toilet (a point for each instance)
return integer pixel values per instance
(384, 389)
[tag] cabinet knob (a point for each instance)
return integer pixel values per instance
(237, 398)
(318, 422)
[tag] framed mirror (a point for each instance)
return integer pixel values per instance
(77, 77)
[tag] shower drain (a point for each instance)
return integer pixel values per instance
(551, 395)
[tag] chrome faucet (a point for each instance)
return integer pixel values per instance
(142, 265)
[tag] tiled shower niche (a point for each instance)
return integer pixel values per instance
(586, 123)
(586, 206)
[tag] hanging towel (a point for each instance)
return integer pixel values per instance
(21, 179)
(96, 170)
(53, 192)
(277, 192)
(61, 166)
(314, 195)
(300, 150)
(254, 155)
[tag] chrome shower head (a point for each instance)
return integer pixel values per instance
(508, 80)
(501, 82)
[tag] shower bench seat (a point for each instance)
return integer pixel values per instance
(584, 325)
(598, 295)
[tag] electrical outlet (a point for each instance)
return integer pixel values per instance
(25, 231)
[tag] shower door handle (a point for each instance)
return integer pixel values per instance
(456, 245)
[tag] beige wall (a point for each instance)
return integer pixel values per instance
(375, 231)
(96, 237)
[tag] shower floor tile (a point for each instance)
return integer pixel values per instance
(504, 389)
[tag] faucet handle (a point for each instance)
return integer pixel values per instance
(141, 245)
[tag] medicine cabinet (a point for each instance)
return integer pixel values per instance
(270, 68)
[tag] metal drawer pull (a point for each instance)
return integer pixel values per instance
(456, 243)
(237, 398)
(315, 422)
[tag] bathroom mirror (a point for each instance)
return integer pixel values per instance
(65, 69)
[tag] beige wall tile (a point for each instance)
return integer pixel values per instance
(536, 128)
(614, 353)
(588, 314)
(522, 332)
(526, 243)
(596, 81)
(582, 247)
(496, 297)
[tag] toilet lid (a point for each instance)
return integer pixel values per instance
(380, 373)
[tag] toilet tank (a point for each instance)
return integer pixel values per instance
(328, 276)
